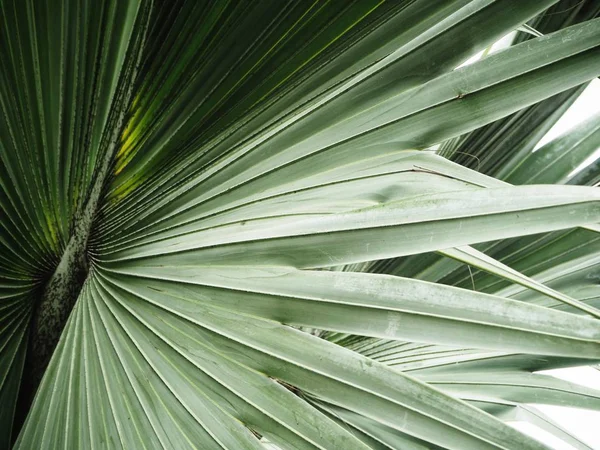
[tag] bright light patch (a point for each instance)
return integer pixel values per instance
(585, 376)
(500, 44)
(541, 435)
(586, 105)
(582, 423)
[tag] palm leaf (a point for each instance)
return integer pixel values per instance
(188, 188)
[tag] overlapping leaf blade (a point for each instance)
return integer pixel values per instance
(248, 160)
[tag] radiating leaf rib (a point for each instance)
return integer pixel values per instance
(13, 345)
(222, 173)
(230, 380)
(529, 255)
(375, 305)
(308, 362)
(429, 223)
(556, 161)
(117, 379)
(517, 387)
(473, 257)
(428, 358)
(568, 276)
(385, 437)
(36, 425)
(172, 420)
(333, 181)
(35, 148)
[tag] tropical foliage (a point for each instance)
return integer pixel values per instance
(242, 224)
